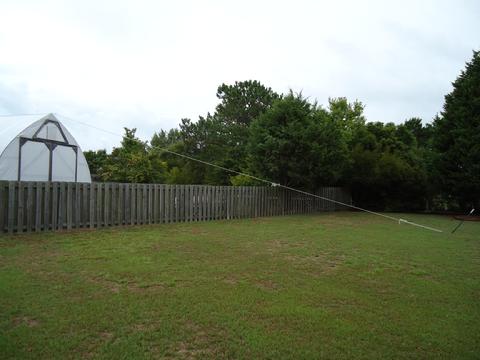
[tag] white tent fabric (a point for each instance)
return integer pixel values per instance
(45, 151)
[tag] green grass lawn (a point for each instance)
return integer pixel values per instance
(332, 285)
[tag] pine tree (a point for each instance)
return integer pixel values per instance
(457, 138)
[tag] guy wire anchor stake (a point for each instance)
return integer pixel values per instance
(461, 222)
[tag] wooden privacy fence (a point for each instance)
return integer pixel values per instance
(43, 206)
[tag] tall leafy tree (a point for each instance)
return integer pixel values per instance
(134, 162)
(243, 102)
(457, 137)
(387, 168)
(164, 139)
(240, 104)
(349, 116)
(296, 143)
(220, 138)
(96, 160)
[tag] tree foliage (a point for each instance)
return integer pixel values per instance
(297, 143)
(96, 160)
(133, 162)
(457, 138)
(289, 139)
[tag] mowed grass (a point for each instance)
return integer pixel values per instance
(331, 285)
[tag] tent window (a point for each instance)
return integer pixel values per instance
(35, 161)
(50, 131)
(64, 164)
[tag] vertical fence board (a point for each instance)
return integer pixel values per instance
(150, 203)
(106, 204)
(144, 204)
(20, 207)
(69, 206)
(121, 204)
(196, 202)
(77, 206)
(133, 203)
(155, 204)
(190, 203)
(84, 205)
(62, 208)
(91, 205)
(176, 203)
(161, 204)
(201, 202)
(47, 207)
(228, 202)
(127, 204)
(218, 201)
(167, 203)
(215, 201)
(29, 207)
(182, 203)
(3, 206)
(208, 202)
(100, 202)
(38, 205)
(11, 207)
(113, 213)
(171, 204)
(54, 206)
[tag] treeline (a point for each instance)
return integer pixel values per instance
(291, 140)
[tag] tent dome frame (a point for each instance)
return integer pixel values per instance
(50, 144)
(44, 151)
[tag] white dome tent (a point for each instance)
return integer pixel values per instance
(44, 151)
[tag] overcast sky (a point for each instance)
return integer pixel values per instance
(147, 64)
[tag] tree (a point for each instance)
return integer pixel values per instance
(297, 144)
(243, 102)
(387, 168)
(164, 139)
(220, 138)
(96, 161)
(349, 116)
(240, 104)
(457, 138)
(423, 133)
(134, 162)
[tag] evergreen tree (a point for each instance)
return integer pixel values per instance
(457, 138)
(297, 143)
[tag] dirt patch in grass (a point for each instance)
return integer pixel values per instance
(198, 231)
(106, 284)
(145, 287)
(117, 287)
(25, 320)
(198, 345)
(230, 281)
(318, 264)
(337, 220)
(144, 327)
(106, 335)
(276, 246)
(267, 284)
